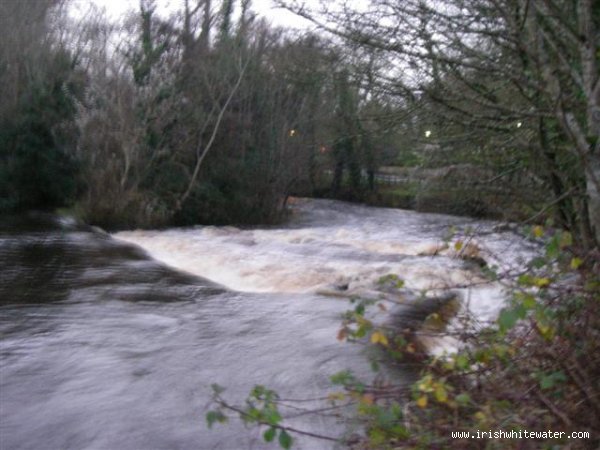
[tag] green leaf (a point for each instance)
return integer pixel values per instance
(576, 263)
(269, 435)
(490, 272)
(285, 440)
(538, 262)
(566, 239)
(441, 395)
(507, 319)
(529, 301)
(391, 279)
(361, 332)
(360, 309)
(463, 399)
(399, 431)
(377, 437)
(342, 378)
(272, 416)
(525, 280)
(379, 337)
(462, 362)
(548, 381)
(215, 416)
(358, 387)
(211, 418)
(217, 389)
(552, 248)
(541, 282)
(253, 415)
(547, 331)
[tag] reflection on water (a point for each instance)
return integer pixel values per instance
(105, 348)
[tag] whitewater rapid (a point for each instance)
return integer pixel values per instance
(329, 243)
(113, 342)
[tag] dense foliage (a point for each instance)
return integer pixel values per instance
(199, 117)
(37, 168)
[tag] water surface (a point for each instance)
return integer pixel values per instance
(113, 342)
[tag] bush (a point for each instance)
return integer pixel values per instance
(36, 167)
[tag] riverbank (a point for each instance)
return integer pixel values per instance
(460, 189)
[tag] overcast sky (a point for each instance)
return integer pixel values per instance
(263, 8)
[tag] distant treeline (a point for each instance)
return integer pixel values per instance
(214, 116)
(197, 118)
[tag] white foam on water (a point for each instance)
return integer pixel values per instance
(329, 242)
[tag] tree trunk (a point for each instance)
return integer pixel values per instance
(338, 173)
(592, 175)
(206, 24)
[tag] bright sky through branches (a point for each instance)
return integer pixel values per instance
(264, 8)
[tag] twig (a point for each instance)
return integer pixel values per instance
(242, 413)
(546, 401)
(550, 205)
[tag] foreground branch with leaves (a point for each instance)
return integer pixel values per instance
(537, 368)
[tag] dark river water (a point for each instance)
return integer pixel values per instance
(112, 342)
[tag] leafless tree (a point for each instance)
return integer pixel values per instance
(539, 60)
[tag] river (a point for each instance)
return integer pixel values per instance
(112, 342)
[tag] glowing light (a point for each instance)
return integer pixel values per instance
(292, 133)
(428, 133)
(519, 124)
